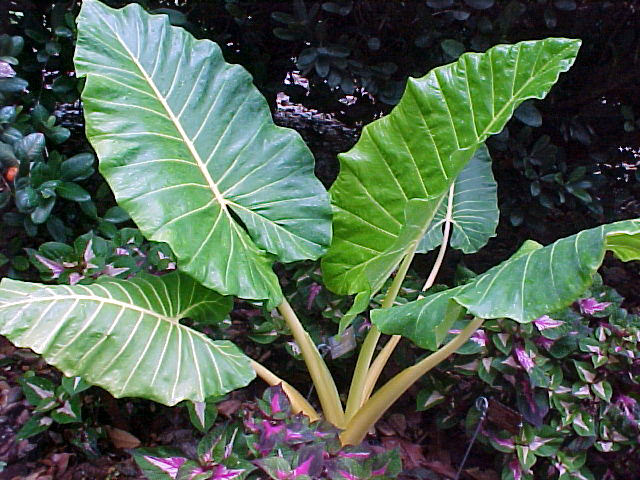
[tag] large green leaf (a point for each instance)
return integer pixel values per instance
(419, 214)
(423, 144)
(126, 335)
(425, 322)
(535, 281)
(189, 148)
(474, 213)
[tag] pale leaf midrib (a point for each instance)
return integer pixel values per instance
(185, 138)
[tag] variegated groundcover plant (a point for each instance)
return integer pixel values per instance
(189, 148)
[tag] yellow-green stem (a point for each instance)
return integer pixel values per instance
(361, 372)
(378, 365)
(375, 407)
(298, 402)
(320, 375)
(356, 390)
(383, 357)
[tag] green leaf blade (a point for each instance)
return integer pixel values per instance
(426, 322)
(541, 281)
(535, 281)
(126, 335)
(475, 211)
(424, 143)
(165, 107)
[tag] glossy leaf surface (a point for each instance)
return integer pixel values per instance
(535, 281)
(126, 335)
(189, 148)
(424, 143)
(475, 213)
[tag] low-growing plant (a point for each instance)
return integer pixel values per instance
(190, 150)
(91, 256)
(52, 403)
(271, 440)
(571, 379)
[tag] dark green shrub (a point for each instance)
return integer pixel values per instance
(43, 188)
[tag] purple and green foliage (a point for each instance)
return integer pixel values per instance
(53, 404)
(288, 447)
(220, 455)
(272, 441)
(124, 254)
(572, 378)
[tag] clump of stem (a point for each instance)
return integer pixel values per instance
(363, 409)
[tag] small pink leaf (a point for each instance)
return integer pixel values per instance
(56, 268)
(514, 466)
(303, 468)
(112, 271)
(589, 306)
(545, 322)
(88, 252)
(347, 475)
(223, 473)
(6, 71)
(524, 359)
(314, 290)
(75, 277)
(169, 465)
(275, 402)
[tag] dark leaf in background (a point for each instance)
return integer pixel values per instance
(452, 48)
(73, 191)
(566, 5)
(528, 114)
(480, 4)
(13, 85)
(116, 215)
(42, 211)
(440, 3)
(533, 403)
(30, 147)
(78, 167)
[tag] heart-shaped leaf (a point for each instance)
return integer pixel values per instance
(417, 150)
(126, 335)
(189, 148)
(535, 281)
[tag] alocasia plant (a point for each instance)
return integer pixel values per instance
(189, 148)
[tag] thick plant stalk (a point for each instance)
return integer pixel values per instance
(320, 375)
(361, 372)
(356, 391)
(375, 407)
(298, 402)
(383, 357)
(378, 365)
